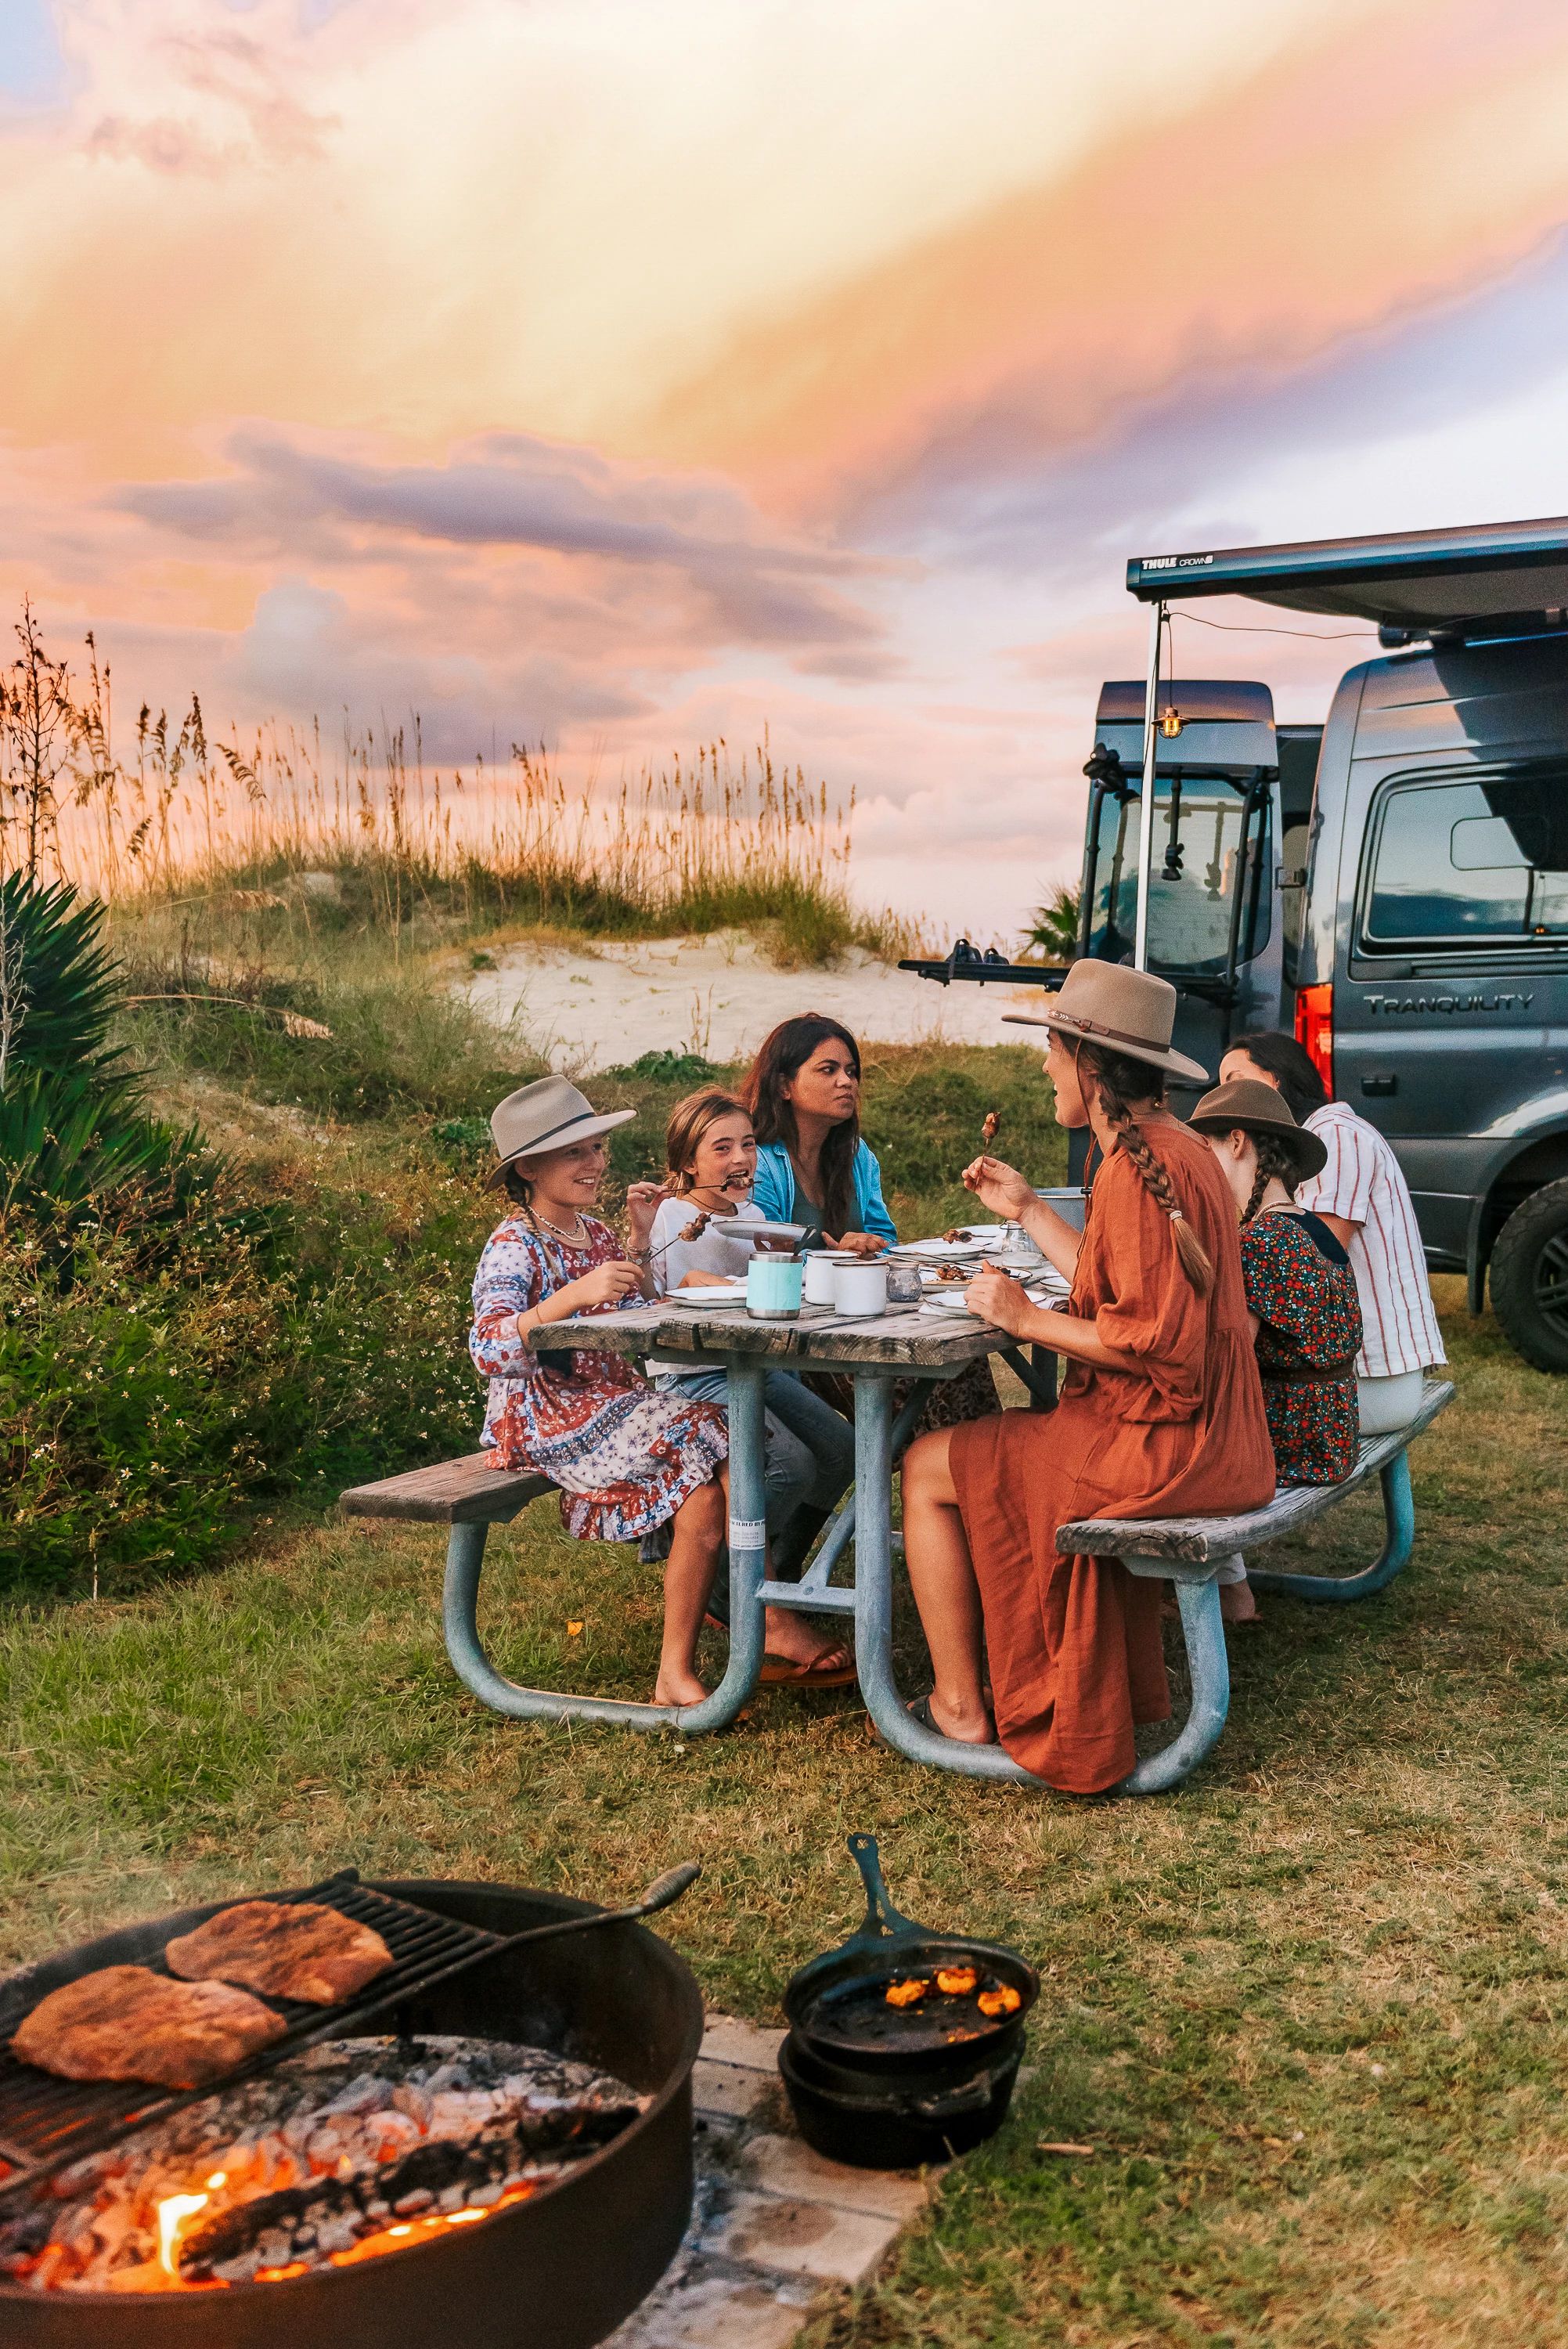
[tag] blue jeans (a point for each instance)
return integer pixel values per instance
(811, 1455)
(810, 1448)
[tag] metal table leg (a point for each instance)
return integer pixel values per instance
(814, 1592)
(1203, 1629)
(465, 1558)
(1201, 1624)
(1399, 1540)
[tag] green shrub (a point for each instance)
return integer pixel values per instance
(309, 1338)
(73, 1133)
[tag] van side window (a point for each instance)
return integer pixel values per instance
(1481, 863)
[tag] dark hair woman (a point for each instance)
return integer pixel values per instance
(1162, 1414)
(813, 1168)
(1285, 1064)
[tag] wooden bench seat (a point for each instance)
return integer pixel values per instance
(466, 1491)
(1176, 1543)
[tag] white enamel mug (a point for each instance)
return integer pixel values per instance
(820, 1272)
(861, 1287)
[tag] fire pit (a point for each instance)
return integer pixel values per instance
(491, 2176)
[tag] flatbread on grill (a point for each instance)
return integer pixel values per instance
(124, 2022)
(297, 1949)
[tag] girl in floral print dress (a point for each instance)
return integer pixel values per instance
(628, 1460)
(1301, 1289)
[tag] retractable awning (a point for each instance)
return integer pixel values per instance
(1423, 581)
(1419, 580)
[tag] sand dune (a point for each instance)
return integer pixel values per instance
(718, 996)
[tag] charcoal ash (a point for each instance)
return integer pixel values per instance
(337, 2143)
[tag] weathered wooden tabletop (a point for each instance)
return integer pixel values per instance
(903, 1338)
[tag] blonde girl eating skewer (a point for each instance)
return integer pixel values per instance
(710, 1150)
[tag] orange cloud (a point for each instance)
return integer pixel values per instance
(1340, 188)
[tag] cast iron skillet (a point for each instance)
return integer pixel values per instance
(838, 2015)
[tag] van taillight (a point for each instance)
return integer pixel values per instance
(1314, 1028)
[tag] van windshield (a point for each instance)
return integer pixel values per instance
(1211, 852)
(1472, 862)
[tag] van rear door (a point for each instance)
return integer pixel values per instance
(1213, 927)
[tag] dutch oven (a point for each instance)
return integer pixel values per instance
(888, 2086)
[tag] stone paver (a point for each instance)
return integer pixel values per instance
(728, 2089)
(772, 2222)
(803, 2237)
(787, 2165)
(728, 2041)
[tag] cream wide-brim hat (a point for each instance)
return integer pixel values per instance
(549, 1114)
(1127, 1010)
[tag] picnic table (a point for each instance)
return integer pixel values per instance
(877, 1354)
(901, 1344)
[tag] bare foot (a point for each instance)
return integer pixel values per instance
(969, 1725)
(788, 1635)
(1237, 1604)
(678, 1685)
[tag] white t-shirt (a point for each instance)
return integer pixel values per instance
(711, 1252)
(1363, 1181)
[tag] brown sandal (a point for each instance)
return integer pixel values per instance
(784, 1671)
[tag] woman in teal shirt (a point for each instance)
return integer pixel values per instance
(812, 1168)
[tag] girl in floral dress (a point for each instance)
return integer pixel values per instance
(1301, 1289)
(628, 1460)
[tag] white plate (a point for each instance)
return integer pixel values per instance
(946, 1302)
(946, 1251)
(730, 1293)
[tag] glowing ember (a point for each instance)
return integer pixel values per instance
(419, 2231)
(957, 1981)
(906, 1994)
(354, 2150)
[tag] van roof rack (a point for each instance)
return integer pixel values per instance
(1422, 582)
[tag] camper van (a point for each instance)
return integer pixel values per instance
(1391, 884)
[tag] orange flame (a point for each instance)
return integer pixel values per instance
(176, 2211)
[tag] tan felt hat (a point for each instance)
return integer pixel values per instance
(1130, 1011)
(549, 1114)
(1256, 1108)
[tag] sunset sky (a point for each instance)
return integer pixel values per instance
(617, 373)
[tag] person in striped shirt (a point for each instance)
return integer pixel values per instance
(1363, 1197)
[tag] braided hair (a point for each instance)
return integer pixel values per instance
(519, 1190)
(1276, 1157)
(1123, 1083)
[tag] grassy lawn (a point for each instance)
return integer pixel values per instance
(1308, 2012)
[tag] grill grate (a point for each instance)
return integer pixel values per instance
(46, 2123)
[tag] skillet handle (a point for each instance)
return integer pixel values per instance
(883, 1919)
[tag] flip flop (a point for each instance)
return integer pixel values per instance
(782, 1671)
(918, 1709)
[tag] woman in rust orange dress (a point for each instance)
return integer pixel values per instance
(1161, 1413)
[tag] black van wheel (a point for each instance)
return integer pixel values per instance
(1529, 1279)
